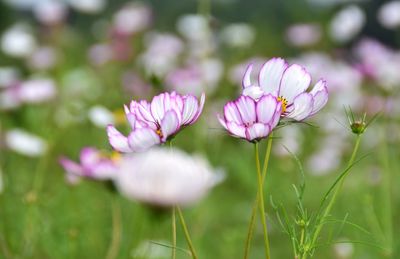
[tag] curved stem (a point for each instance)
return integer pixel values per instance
(334, 196)
(116, 230)
(255, 206)
(261, 202)
(186, 231)
(173, 233)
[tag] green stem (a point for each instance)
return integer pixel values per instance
(261, 202)
(173, 233)
(387, 188)
(185, 230)
(334, 196)
(116, 230)
(255, 206)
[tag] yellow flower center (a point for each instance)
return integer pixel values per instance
(159, 133)
(284, 103)
(115, 156)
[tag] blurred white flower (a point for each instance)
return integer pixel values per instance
(389, 14)
(303, 34)
(240, 35)
(193, 27)
(133, 17)
(36, 90)
(343, 250)
(8, 76)
(18, 41)
(88, 6)
(347, 23)
(164, 177)
(161, 54)
(43, 58)
(100, 116)
(50, 12)
(25, 143)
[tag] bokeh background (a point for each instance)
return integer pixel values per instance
(67, 67)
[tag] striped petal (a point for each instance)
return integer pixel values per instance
(169, 124)
(270, 75)
(295, 80)
(118, 141)
(302, 107)
(142, 139)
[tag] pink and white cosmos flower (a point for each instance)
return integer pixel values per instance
(93, 164)
(156, 122)
(251, 119)
(289, 84)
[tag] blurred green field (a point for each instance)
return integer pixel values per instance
(42, 216)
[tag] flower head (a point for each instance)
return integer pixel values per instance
(156, 122)
(251, 119)
(175, 177)
(289, 85)
(93, 164)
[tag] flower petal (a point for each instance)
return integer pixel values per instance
(118, 141)
(142, 139)
(295, 80)
(236, 130)
(320, 94)
(89, 156)
(169, 124)
(231, 113)
(302, 107)
(266, 108)
(257, 131)
(70, 166)
(247, 109)
(200, 110)
(246, 82)
(270, 75)
(254, 92)
(190, 109)
(158, 107)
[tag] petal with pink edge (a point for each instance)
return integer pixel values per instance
(70, 166)
(157, 107)
(236, 130)
(231, 113)
(169, 125)
(266, 108)
(246, 82)
(247, 109)
(320, 94)
(142, 139)
(190, 108)
(302, 107)
(200, 110)
(295, 80)
(118, 141)
(257, 131)
(270, 75)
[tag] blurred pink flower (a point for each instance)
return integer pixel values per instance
(156, 122)
(132, 18)
(289, 85)
(303, 34)
(251, 119)
(93, 164)
(50, 12)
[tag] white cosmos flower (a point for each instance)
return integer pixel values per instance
(389, 14)
(25, 143)
(101, 116)
(347, 23)
(165, 177)
(18, 41)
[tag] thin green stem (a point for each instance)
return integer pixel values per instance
(116, 230)
(335, 194)
(255, 206)
(186, 231)
(173, 233)
(261, 201)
